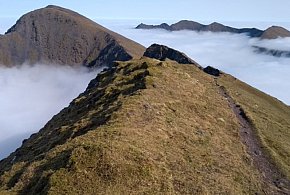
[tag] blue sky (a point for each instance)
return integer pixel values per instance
(205, 10)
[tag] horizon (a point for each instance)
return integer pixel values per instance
(224, 10)
(8, 22)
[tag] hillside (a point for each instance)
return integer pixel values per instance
(154, 127)
(269, 117)
(57, 35)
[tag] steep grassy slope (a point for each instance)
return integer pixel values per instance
(270, 117)
(61, 36)
(145, 127)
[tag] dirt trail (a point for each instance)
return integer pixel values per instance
(270, 173)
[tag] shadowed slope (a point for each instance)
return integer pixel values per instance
(57, 35)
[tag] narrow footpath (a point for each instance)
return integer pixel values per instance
(269, 171)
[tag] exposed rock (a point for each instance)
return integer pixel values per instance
(275, 32)
(109, 54)
(162, 52)
(61, 36)
(212, 71)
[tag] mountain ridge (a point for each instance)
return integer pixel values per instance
(270, 33)
(148, 126)
(120, 155)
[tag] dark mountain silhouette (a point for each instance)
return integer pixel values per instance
(61, 36)
(271, 33)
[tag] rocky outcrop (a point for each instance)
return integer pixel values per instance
(212, 71)
(113, 51)
(162, 53)
(61, 36)
(275, 32)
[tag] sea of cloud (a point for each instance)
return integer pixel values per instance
(31, 95)
(232, 53)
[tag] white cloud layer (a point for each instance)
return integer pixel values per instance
(232, 53)
(31, 95)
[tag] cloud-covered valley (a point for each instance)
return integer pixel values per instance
(31, 95)
(232, 53)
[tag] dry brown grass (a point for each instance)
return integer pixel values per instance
(270, 117)
(177, 136)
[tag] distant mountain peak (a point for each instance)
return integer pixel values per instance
(274, 32)
(60, 36)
